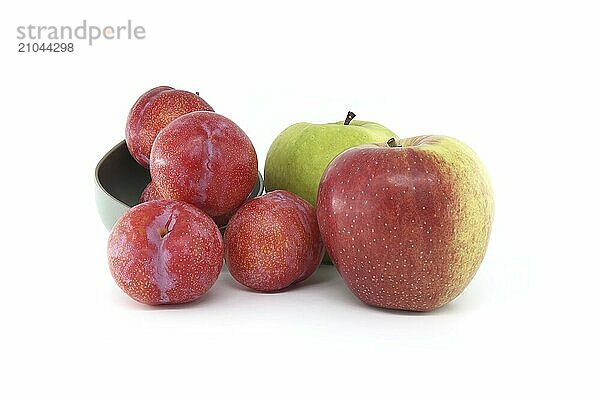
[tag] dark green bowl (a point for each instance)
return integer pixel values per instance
(120, 181)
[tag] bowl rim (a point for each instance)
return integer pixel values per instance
(259, 177)
(97, 169)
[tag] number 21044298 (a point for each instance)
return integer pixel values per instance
(45, 47)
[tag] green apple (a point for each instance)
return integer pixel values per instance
(299, 155)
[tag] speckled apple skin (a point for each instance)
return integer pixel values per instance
(150, 193)
(273, 241)
(407, 227)
(152, 112)
(165, 252)
(205, 159)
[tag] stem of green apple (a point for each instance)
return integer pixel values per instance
(392, 143)
(349, 118)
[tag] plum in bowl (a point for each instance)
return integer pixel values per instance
(120, 181)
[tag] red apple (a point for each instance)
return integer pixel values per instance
(406, 225)
(152, 112)
(204, 159)
(273, 241)
(150, 193)
(165, 252)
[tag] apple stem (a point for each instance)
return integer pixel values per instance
(392, 143)
(349, 118)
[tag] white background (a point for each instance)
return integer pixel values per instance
(516, 80)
